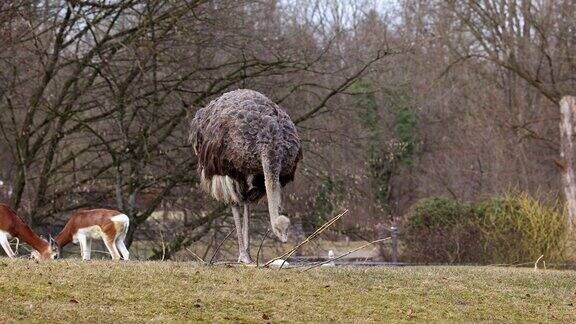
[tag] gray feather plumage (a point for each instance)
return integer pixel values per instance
(233, 133)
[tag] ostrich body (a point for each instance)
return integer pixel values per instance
(247, 147)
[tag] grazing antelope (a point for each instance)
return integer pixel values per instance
(85, 225)
(11, 225)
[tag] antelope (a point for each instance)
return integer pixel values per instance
(11, 225)
(85, 225)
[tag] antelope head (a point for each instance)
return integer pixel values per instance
(52, 251)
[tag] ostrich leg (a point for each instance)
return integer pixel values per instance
(242, 256)
(246, 229)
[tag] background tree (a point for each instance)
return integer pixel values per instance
(394, 103)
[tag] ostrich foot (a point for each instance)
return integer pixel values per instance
(244, 258)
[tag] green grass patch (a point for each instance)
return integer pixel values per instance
(71, 290)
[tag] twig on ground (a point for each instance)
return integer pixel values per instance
(218, 247)
(260, 247)
(287, 255)
(536, 263)
(347, 253)
(195, 255)
(17, 245)
(24, 247)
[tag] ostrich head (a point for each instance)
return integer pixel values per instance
(280, 227)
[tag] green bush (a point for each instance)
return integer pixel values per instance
(441, 230)
(516, 228)
(519, 228)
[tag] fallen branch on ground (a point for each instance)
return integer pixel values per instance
(536, 263)
(17, 245)
(195, 255)
(218, 247)
(347, 253)
(319, 231)
(260, 247)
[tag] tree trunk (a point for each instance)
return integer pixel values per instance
(568, 154)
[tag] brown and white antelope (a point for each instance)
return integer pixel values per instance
(11, 225)
(85, 225)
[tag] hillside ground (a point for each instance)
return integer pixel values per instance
(71, 290)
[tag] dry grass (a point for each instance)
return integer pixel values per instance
(71, 290)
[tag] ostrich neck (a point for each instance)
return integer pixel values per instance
(273, 194)
(274, 199)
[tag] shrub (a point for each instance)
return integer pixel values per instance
(520, 228)
(515, 228)
(440, 230)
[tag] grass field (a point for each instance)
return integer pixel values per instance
(71, 290)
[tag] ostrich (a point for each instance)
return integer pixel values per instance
(247, 147)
